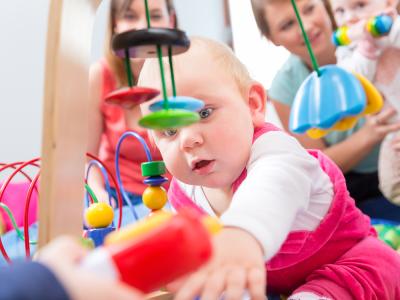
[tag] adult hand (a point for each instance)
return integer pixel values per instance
(378, 126)
(63, 257)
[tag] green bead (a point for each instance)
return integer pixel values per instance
(153, 168)
(168, 119)
(87, 243)
(392, 238)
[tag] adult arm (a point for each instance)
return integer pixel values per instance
(30, 281)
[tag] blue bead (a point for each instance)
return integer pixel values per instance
(383, 24)
(155, 180)
(98, 234)
(335, 39)
(179, 102)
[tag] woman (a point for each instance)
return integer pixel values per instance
(107, 122)
(356, 150)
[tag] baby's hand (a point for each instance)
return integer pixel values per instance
(237, 265)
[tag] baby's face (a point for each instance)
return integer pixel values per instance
(349, 12)
(214, 151)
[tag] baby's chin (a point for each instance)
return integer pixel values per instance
(212, 183)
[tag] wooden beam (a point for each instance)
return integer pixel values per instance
(65, 117)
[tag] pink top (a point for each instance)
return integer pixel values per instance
(132, 153)
(342, 227)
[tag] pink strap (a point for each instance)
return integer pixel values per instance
(179, 199)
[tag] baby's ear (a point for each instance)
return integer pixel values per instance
(257, 103)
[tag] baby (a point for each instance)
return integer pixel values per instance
(289, 222)
(379, 60)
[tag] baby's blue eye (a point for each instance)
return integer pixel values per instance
(170, 132)
(205, 113)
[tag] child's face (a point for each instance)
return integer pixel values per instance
(135, 16)
(285, 30)
(349, 12)
(214, 151)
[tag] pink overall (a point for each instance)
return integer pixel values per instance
(341, 259)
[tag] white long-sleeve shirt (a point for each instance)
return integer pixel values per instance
(285, 190)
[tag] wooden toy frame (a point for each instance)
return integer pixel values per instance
(66, 100)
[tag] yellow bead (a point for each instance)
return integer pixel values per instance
(154, 197)
(99, 215)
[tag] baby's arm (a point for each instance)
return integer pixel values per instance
(258, 220)
(355, 61)
(277, 187)
(394, 37)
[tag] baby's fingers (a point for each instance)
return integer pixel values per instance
(192, 287)
(235, 284)
(257, 283)
(214, 286)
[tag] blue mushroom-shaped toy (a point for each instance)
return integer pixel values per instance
(324, 100)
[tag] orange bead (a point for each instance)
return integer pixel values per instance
(154, 197)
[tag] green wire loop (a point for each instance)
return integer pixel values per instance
(90, 191)
(159, 54)
(128, 68)
(171, 68)
(307, 41)
(164, 86)
(10, 215)
(146, 4)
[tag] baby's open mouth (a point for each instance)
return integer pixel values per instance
(201, 164)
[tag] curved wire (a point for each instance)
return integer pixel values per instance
(117, 154)
(14, 223)
(105, 177)
(2, 189)
(116, 184)
(26, 215)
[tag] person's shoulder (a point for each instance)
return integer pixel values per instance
(292, 65)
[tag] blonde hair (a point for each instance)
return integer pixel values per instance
(258, 7)
(117, 8)
(217, 52)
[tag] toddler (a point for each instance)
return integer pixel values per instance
(379, 60)
(289, 222)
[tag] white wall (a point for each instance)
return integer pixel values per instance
(23, 26)
(262, 58)
(23, 29)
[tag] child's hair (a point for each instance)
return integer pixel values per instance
(258, 7)
(217, 52)
(117, 8)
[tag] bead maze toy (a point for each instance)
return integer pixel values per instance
(377, 26)
(181, 243)
(330, 98)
